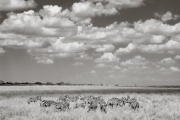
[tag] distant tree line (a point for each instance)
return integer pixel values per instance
(2, 83)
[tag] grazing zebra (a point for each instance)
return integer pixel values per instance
(130, 100)
(102, 104)
(134, 105)
(73, 98)
(34, 99)
(93, 106)
(113, 102)
(78, 105)
(63, 98)
(103, 108)
(47, 103)
(87, 100)
(61, 106)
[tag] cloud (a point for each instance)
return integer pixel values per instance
(53, 26)
(175, 69)
(116, 67)
(156, 27)
(128, 49)
(167, 61)
(82, 12)
(78, 64)
(107, 57)
(171, 45)
(167, 16)
(101, 66)
(93, 72)
(59, 46)
(44, 60)
(124, 4)
(2, 50)
(11, 5)
(177, 57)
(136, 61)
(83, 56)
(105, 48)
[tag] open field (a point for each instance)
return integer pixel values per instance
(155, 103)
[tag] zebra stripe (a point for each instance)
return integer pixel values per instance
(62, 106)
(47, 103)
(134, 105)
(93, 106)
(34, 99)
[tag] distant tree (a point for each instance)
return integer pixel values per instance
(49, 83)
(1, 82)
(9, 83)
(116, 85)
(61, 83)
(101, 84)
(38, 83)
(68, 83)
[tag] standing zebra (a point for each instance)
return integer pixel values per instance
(33, 99)
(93, 106)
(63, 98)
(113, 102)
(102, 105)
(134, 105)
(47, 103)
(62, 106)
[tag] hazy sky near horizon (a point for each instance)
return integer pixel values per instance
(123, 42)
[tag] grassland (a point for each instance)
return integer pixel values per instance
(154, 103)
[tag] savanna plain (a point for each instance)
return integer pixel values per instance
(155, 103)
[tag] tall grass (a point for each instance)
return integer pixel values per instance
(152, 107)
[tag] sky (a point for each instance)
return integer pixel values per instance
(124, 42)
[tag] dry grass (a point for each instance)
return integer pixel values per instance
(152, 107)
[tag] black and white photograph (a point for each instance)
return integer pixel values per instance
(89, 59)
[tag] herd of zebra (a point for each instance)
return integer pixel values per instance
(92, 102)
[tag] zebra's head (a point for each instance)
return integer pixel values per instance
(39, 98)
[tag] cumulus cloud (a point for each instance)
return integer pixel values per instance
(108, 57)
(59, 46)
(101, 66)
(105, 48)
(78, 64)
(156, 27)
(116, 67)
(175, 69)
(93, 72)
(83, 11)
(54, 26)
(44, 60)
(83, 56)
(136, 61)
(167, 61)
(167, 16)
(2, 50)
(177, 57)
(10, 5)
(129, 49)
(171, 45)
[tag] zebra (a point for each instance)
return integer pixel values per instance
(33, 99)
(113, 102)
(93, 106)
(130, 100)
(87, 100)
(78, 105)
(73, 98)
(47, 103)
(102, 104)
(63, 98)
(61, 106)
(134, 105)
